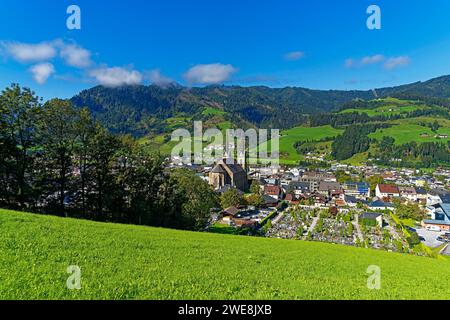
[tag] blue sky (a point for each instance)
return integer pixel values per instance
(319, 44)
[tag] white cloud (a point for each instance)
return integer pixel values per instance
(24, 52)
(116, 76)
(396, 62)
(293, 56)
(42, 71)
(209, 73)
(158, 79)
(75, 56)
(389, 63)
(372, 59)
(367, 60)
(72, 54)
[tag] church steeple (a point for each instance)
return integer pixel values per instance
(242, 160)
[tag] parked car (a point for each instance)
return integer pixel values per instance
(434, 228)
(440, 239)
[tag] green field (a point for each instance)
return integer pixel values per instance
(131, 262)
(408, 130)
(391, 106)
(288, 154)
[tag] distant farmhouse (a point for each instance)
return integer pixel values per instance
(229, 173)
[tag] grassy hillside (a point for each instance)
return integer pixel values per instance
(289, 137)
(408, 130)
(388, 107)
(130, 262)
(288, 153)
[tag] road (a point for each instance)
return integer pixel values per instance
(278, 218)
(430, 237)
(313, 224)
(358, 229)
(446, 250)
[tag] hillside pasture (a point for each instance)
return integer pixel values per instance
(132, 262)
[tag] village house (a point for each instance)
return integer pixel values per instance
(228, 215)
(314, 179)
(326, 187)
(299, 188)
(421, 195)
(408, 193)
(292, 199)
(350, 201)
(379, 205)
(270, 202)
(435, 196)
(440, 216)
(357, 189)
(273, 191)
(388, 191)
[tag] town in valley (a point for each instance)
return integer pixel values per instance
(399, 210)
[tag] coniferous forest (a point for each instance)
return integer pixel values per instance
(56, 159)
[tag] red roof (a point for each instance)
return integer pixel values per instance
(289, 197)
(387, 188)
(272, 190)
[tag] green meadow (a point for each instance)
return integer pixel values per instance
(288, 138)
(408, 130)
(391, 106)
(132, 262)
(288, 153)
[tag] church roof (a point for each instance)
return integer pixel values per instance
(235, 168)
(218, 169)
(232, 165)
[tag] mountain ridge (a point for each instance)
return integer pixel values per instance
(142, 109)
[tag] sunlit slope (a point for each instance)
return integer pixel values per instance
(130, 262)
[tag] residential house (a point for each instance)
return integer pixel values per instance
(387, 191)
(327, 187)
(421, 194)
(300, 188)
(269, 201)
(361, 189)
(379, 205)
(437, 196)
(440, 216)
(409, 193)
(228, 214)
(350, 201)
(273, 191)
(314, 178)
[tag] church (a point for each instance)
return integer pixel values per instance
(228, 172)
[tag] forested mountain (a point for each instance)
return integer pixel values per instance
(141, 109)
